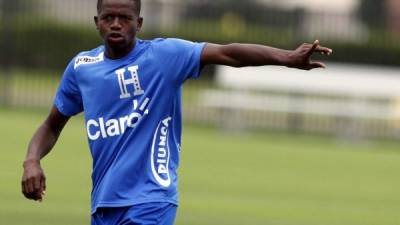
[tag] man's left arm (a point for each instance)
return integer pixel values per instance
(241, 55)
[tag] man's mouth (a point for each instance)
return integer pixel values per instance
(115, 37)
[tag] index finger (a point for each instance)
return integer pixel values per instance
(323, 50)
(312, 49)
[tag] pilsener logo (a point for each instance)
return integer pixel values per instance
(160, 154)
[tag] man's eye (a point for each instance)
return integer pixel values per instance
(108, 18)
(124, 18)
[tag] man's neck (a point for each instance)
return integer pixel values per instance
(117, 53)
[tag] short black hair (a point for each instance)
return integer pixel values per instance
(138, 4)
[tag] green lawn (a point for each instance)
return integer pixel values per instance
(264, 178)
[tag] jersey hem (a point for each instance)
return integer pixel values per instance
(125, 204)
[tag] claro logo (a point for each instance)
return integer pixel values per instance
(101, 128)
(160, 154)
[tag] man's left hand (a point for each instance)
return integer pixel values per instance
(301, 57)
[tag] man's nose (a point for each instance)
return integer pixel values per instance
(115, 23)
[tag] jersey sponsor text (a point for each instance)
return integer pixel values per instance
(160, 154)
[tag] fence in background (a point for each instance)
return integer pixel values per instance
(39, 37)
(346, 100)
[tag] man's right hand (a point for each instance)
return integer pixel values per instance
(33, 180)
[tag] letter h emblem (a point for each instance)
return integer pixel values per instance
(134, 80)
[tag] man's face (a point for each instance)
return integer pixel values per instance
(118, 22)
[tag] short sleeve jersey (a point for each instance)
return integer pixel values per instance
(133, 118)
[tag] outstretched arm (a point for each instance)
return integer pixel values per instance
(241, 55)
(33, 179)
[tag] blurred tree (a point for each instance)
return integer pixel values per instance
(10, 11)
(251, 11)
(372, 13)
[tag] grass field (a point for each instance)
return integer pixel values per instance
(260, 179)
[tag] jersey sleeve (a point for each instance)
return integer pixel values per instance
(68, 99)
(183, 58)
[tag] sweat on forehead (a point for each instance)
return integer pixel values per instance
(138, 5)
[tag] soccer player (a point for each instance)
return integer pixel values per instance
(130, 92)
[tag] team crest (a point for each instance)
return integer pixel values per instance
(133, 80)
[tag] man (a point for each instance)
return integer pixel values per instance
(130, 93)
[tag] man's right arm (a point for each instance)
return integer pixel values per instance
(33, 179)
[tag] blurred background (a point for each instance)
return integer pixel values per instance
(283, 146)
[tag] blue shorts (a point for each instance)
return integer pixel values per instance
(158, 213)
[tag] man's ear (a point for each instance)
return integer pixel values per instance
(96, 21)
(140, 24)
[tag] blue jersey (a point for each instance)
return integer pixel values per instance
(133, 118)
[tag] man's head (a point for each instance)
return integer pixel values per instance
(118, 22)
(138, 6)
